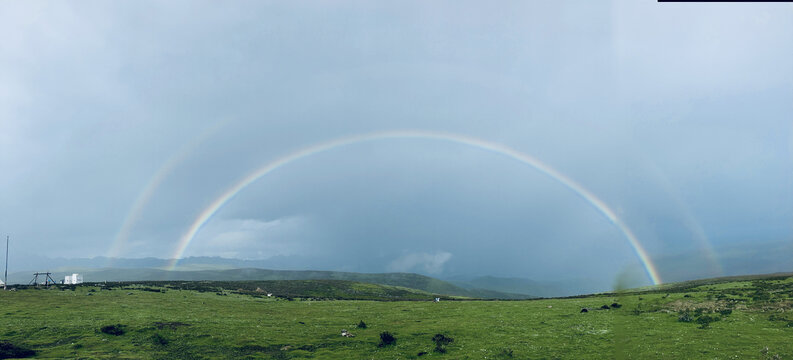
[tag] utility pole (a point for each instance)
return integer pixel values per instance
(5, 277)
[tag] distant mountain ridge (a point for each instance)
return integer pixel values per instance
(407, 280)
(150, 268)
(527, 286)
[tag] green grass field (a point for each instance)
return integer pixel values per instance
(723, 319)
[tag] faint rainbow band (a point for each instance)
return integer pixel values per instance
(148, 191)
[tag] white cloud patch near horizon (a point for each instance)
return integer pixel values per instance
(252, 238)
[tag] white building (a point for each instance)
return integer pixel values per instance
(73, 279)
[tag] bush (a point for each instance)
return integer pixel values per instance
(115, 330)
(440, 341)
(11, 351)
(505, 353)
(386, 338)
(158, 339)
(704, 321)
(685, 317)
(362, 325)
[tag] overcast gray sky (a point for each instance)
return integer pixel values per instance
(679, 117)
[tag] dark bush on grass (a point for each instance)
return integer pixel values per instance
(115, 330)
(441, 341)
(362, 325)
(505, 353)
(386, 338)
(685, 317)
(776, 318)
(11, 351)
(705, 320)
(158, 339)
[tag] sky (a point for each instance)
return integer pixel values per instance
(120, 122)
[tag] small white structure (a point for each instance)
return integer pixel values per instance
(73, 279)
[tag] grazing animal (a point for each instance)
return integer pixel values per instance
(345, 333)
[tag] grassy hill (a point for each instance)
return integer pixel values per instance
(406, 280)
(283, 289)
(742, 317)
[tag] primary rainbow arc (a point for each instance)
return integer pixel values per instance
(601, 206)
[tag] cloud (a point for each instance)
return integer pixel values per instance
(97, 97)
(253, 238)
(423, 262)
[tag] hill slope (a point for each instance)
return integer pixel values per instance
(727, 318)
(406, 280)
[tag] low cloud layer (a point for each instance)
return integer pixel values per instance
(420, 262)
(254, 239)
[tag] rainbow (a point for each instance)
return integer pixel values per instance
(148, 191)
(689, 220)
(224, 198)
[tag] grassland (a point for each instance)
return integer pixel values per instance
(739, 318)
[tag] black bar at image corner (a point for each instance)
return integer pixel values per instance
(724, 1)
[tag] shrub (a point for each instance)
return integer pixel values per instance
(11, 351)
(704, 321)
(440, 341)
(362, 325)
(505, 353)
(386, 338)
(158, 339)
(685, 317)
(115, 330)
